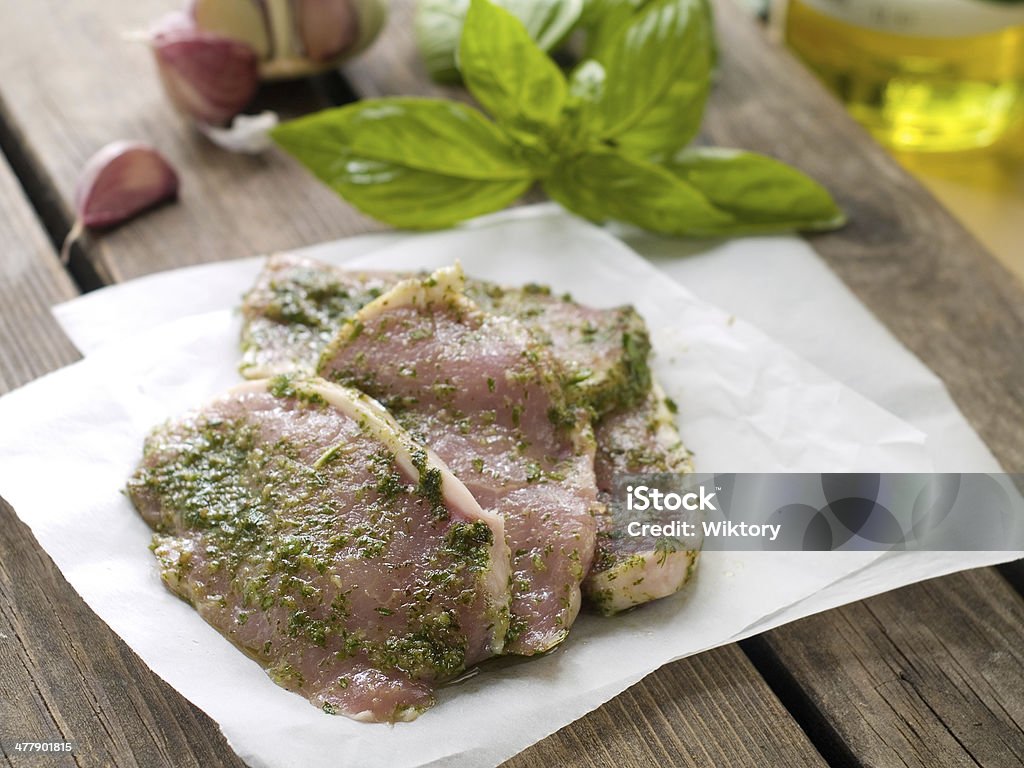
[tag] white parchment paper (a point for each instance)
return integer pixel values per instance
(747, 404)
(777, 283)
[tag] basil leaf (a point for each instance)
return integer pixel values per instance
(439, 28)
(593, 10)
(761, 193)
(698, 193)
(672, 123)
(513, 79)
(446, 137)
(410, 199)
(603, 185)
(412, 163)
(657, 61)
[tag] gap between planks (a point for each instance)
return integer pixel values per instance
(930, 675)
(43, 198)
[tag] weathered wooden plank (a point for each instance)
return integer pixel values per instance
(63, 674)
(73, 82)
(926, 677)
(31, 280)
(700, 712)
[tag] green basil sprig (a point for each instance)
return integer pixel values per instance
(608, 142)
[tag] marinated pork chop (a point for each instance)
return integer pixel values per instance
(481, 391)
(603, 352)
(307, 527)
(629, 571)
(298, 304)
(296, 307)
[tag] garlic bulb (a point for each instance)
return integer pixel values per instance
(293, 38)
(212, 56)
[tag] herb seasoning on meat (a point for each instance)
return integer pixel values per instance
(305, 525)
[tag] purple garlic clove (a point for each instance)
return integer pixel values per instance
(326, 27)
(208, 77)
(121, 180)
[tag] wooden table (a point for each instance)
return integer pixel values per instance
(930, 675)
(984, 190)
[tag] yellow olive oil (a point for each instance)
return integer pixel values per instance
(924, 75)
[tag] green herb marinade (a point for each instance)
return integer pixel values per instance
(270, 524)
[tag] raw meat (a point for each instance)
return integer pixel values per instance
(307, 527)
(296, 307)
(629, 571)
(298, 304)
(481, 391)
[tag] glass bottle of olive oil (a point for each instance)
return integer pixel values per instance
(929, 75)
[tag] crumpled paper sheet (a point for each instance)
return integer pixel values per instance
(747, 404)
(777, 283)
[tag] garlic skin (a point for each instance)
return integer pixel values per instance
(120, 181)
(247, 135)
(208, 77)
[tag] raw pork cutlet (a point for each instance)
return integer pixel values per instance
(602, 351)
(298, 305)
(628, 571)
(308, 528)
(486, 396)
